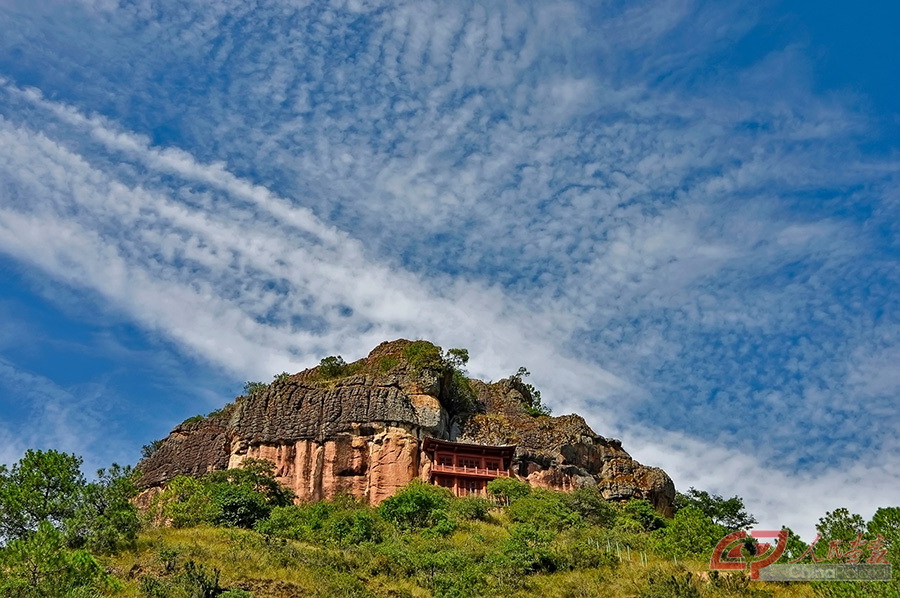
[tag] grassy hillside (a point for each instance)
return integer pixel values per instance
(463, 564)
(423, 542)
(474, 560)
(237, 534)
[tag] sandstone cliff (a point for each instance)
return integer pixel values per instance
(358, 428)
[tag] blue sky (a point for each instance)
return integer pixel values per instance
(680, 216)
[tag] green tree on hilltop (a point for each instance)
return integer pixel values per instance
(332, 366)
(48, 512)
(105, 520)
(42, 486)
(840, 524)
(252, 387)
(886, 523)
(690, 533)
(532, 396)
(457, 358)
(727, 512)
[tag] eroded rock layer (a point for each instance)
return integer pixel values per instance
(360, 430)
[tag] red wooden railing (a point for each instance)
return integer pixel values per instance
(479, 471)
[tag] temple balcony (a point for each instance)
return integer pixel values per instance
(476, 472)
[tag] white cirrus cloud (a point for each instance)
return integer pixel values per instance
(693, 252)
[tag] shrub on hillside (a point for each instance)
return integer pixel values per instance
(234, 505)
(348, 527)
(298, 522)
(591, 506)
(527, 550)
(257, 475)
(690, 533)
(462, 396)
(531, 396)
(253, 387)
(544, 509)
(184, 503)
(194, 580)
(39, 565)
(232, 498)
(508, 490)
(343, 521)
(148, 450)
(471, 508)
(642, 514)
(418, 506)
(588, 548)
(451, 573)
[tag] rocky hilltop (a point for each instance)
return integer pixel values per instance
(358, 428)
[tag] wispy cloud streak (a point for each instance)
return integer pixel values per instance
(669, 241)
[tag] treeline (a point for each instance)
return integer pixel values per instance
(237, 533)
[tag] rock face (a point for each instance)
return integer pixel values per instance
(359, 430)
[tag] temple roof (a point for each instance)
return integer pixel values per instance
(506, 451)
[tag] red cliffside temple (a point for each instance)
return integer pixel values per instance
(467, 468)
(372, 428)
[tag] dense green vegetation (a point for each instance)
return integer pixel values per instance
(53, 525)
(237, 533)
(235, 498)
(425, 358)
(728, 513)
(334, 366)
